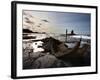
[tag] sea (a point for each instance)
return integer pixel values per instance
(70, 42)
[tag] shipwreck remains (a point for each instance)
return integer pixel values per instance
(61, 51)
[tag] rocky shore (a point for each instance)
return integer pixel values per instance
(55, 55)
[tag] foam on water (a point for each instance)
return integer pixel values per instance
(81, 36)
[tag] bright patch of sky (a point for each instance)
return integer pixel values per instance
(79, 22)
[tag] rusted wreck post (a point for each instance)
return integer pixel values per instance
(66, 36)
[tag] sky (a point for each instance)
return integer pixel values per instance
(60, 21)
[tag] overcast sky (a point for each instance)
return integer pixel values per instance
(79, 22)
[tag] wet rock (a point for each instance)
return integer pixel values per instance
(48, 61)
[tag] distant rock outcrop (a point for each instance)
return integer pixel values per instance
(27, 31)
(72, 32)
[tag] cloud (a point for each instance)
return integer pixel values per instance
(35, 24)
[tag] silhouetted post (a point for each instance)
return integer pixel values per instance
(66, 36)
